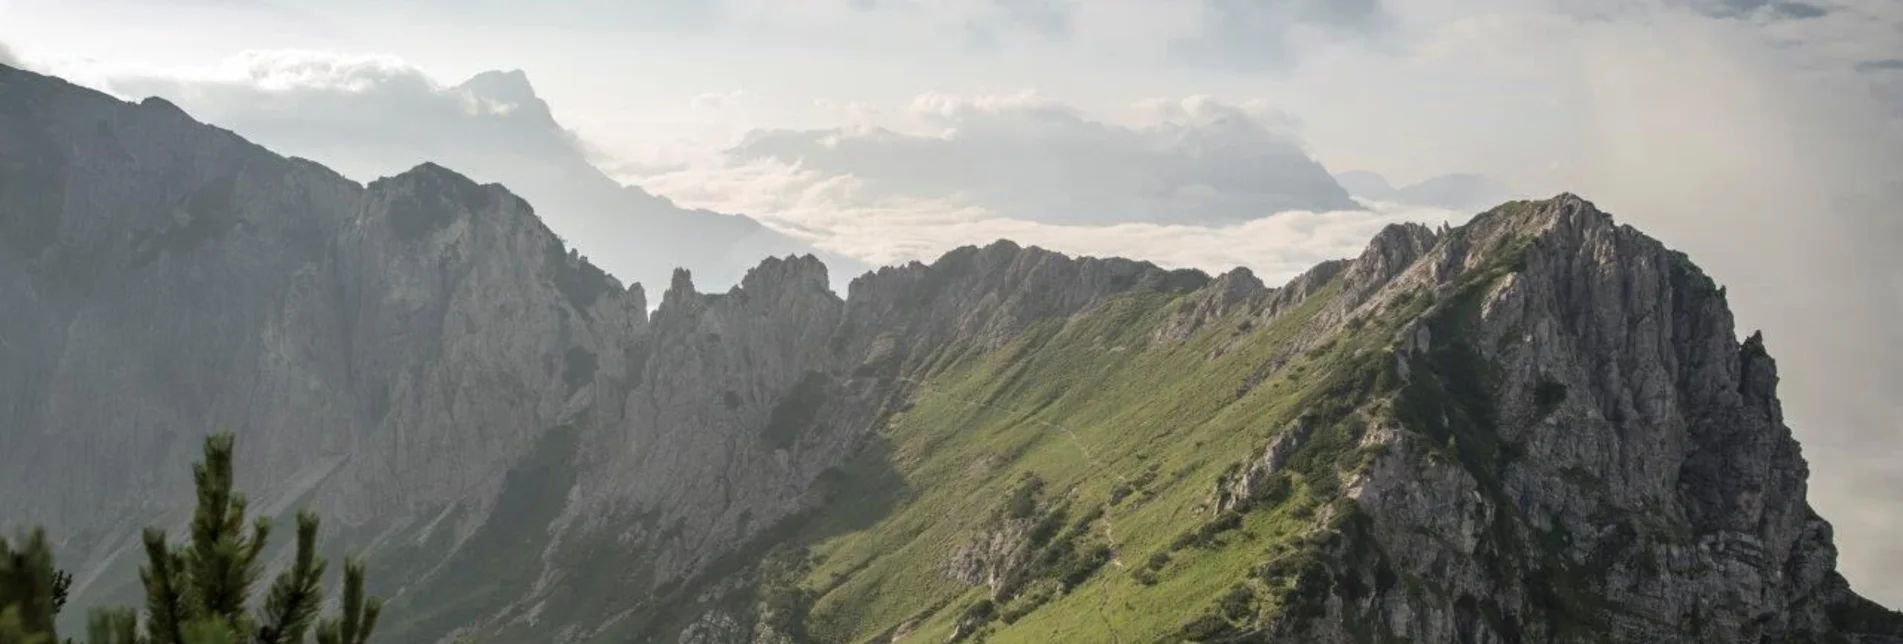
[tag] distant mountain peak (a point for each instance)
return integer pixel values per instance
(431, 168)
(510, 84)
(505, 93)
(162, 104)
(1459, 190)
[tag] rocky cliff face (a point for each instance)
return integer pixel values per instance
(383, 350)
(1537, 427)
(1620, 466)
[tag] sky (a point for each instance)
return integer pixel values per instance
(1762, 137)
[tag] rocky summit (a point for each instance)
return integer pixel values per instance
(1541, 426)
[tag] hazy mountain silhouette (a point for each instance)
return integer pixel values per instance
(1458, 191)
(494, 128)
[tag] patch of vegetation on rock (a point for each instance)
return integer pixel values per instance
(796, 411)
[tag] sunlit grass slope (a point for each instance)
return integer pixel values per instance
(1130, 437)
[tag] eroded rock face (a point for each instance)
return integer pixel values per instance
(1253, 480)
(1643, 486)
(383, 352)
(749, 397)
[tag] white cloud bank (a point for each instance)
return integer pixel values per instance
(1022, 155)
(1029, 168)
(844, 214)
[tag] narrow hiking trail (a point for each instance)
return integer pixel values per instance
(1109, 525)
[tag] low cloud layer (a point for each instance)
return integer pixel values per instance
(843, 214)
(1027, 157)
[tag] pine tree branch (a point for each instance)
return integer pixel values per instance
(359, 615)
(165, 605)
(293, 601)
(113, 626)
(220, 557)
(30, 587)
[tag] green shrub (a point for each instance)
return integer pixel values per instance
(1209, 626)
(1023, 499)
(1547, 395)
(1239, 603)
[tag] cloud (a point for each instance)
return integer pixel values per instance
(1048, 19)
(1029, 157)
(593, 15)
(1257, 35)
(366, 116)
(851, 114)
(1884, 65)
(1773, 9)
(735, 99)
(6, 56)
(991, 167)
(1457, 191)
(844, 214)
(316, 71)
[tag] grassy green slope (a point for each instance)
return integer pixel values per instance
(1113, 422)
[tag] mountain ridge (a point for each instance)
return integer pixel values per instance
(1537, 426)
